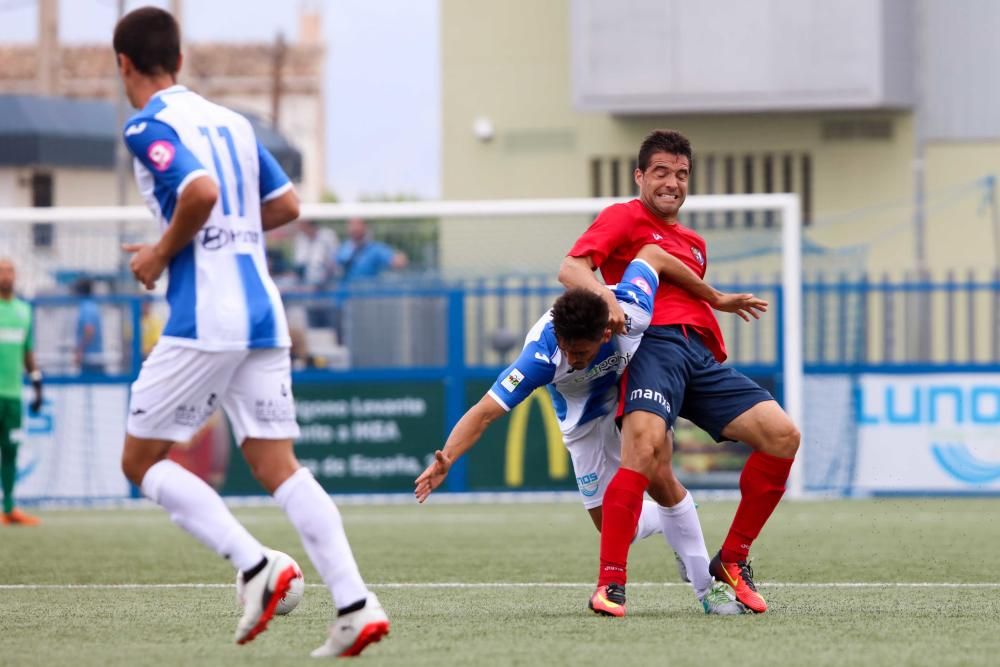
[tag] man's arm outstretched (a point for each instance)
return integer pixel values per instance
(466, 433)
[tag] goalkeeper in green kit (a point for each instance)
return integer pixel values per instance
(15, 354)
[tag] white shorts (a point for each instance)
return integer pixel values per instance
(179, 388)
(596, 451)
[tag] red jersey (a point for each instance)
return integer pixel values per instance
(615, 238)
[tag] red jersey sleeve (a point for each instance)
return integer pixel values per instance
(605, 235)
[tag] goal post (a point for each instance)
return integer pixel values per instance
(789, 208)
(786, 205)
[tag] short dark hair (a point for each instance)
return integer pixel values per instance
(580, 314)
(151, 39)
(663, 141)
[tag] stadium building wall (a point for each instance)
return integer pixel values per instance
(858, 187)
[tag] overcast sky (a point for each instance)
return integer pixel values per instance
(382, 75)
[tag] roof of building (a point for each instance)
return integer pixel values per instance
(63, 132)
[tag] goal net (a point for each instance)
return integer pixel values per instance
(486, 269)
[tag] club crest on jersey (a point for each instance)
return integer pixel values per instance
(161, 154)
(642, 284)
(512, 380)
(698, 256)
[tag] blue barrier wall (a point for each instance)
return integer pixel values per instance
(433, 347)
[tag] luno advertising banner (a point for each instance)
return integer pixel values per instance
(928, 433)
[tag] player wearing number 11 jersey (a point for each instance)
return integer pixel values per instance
(214, 191)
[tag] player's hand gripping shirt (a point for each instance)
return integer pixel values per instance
(581, 396)
(616, 236)
(220, 293)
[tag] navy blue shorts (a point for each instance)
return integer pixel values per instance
(673, 374)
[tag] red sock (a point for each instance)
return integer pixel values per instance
(619, 520)
(761, 486)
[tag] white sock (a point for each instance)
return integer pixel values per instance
(682, 530)
(649, 521)
(197, 508)
(316, 517)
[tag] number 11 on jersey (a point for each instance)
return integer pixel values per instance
(224, 135)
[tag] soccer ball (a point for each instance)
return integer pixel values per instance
(292, 598)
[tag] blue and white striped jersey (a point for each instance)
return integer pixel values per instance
(581, 396)
(220, 293)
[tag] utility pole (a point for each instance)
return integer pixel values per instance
(919, 178)
(48, 46)
(919, 139)
(122, 162)
(177, 9)
(277, 76)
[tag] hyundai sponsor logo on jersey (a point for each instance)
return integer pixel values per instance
(216, 238)
(927, 433)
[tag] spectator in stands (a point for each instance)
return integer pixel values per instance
(284, 274)
(362, 257)
(89, 341)
(314, 251)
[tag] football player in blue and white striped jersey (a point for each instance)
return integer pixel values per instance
(214, 191)
(573, 354)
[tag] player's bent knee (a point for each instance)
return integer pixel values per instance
(642, 441)
(640, 455)
(790, 441)
(784, 440)
(139, 456)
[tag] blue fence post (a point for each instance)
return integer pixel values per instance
(888, 330)
(136, 316)
(779, 385)
(842, 295)
(861, 342)
(480, 295)
(949, 315)
(454, 384)
(820, 317)
(995, 329)
(970, 287)
(734, 331)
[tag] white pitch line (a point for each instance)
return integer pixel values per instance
(512, 584)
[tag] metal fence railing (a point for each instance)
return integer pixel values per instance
(418, 323)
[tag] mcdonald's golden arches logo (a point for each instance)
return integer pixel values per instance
(558, 457)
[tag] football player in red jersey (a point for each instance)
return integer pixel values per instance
(678, 371)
